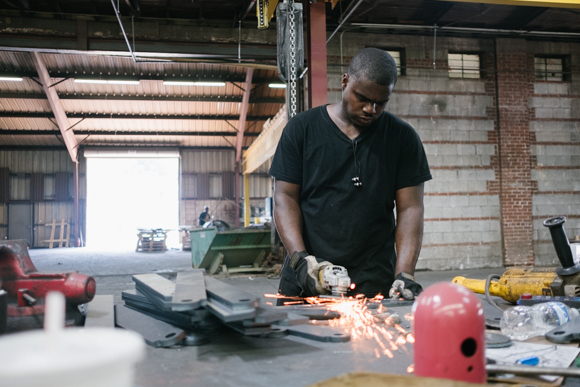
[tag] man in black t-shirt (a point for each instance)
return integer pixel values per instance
(204, 216)
(341, 170)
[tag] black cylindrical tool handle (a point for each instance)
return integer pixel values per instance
(560, 240)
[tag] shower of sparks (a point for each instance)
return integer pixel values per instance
(363, 318)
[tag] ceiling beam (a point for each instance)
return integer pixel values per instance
(142, 97)
(533, 3)
(122, 116)
(50, 132)
(443, 8)
(61, 118)
(192, 76)
(521, 17)
(244, 113)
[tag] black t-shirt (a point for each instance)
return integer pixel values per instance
(348, 225)
(203, 217)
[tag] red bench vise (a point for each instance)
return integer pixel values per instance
(27, 288)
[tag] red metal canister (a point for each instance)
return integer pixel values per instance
(449, 330)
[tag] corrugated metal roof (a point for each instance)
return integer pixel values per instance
(103, 99)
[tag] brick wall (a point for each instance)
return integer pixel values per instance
(484, 206)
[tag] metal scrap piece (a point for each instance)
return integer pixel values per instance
(156, 333)
(566, 332)
(293, 319)
(227, 314)
(101, 312)
(159, 286)
(194, 339)
(313, 312)
(189, 291)
(249, 331)
(268, 314)
(229, 295)
(318, 333)
(138, 301)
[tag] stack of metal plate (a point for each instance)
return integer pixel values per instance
(196, 307)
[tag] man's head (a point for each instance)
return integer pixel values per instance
(206, 208)
(367, 86)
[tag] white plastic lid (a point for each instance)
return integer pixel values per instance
(46, 358)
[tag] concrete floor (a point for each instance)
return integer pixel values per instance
(231, 359)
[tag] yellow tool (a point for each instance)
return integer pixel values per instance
(560, 281)
(517, 281)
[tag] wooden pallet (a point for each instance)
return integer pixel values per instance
(151, 241)
(64, 233)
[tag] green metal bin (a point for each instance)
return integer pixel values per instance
(234, 251)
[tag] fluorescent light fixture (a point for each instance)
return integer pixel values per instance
(178, 83)
(11, 79)
(189, 83)
(104, 82)
(100, 81)
(214, 84)
(277, 85)
(123, 82)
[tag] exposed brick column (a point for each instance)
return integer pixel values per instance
(514, 79)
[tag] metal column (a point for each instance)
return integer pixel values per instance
(317, 81)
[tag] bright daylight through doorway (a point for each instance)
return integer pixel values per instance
(128, 194)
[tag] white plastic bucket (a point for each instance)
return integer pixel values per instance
(88, 357)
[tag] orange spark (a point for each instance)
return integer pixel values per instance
(411, 369)
(377, 354)
(410, 338)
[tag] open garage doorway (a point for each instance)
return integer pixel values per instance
(128, 194)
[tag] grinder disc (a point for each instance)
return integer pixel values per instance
(496, 340)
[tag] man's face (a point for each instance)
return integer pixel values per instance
(363, 101)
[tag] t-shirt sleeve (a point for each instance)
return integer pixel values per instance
(413, 167)
(287, 162)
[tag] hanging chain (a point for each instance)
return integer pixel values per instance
(293, 33)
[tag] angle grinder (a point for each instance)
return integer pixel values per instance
(336, 279)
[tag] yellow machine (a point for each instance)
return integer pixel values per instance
(560, 281)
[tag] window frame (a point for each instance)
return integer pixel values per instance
(452, 70)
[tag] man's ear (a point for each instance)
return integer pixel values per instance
(345, 79)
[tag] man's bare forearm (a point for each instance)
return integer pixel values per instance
(288, 216)
(408, 239)
(409, 231)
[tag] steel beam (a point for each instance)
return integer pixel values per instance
(48, 132)
(162, 98)
(56, 106)
(123, 116)
(240, 137)
(317, 71)
(265, 145)
(533, 3)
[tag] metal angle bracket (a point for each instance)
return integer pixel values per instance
(156, 333)
(229, 295)
(317, 333)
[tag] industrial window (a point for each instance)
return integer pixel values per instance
(398, 55)
(463, 66)
(215, 186)
(398, 59)
(551, 68)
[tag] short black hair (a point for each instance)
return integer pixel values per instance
(376, 65)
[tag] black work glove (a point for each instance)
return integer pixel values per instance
(405, 286)
(308, 271)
